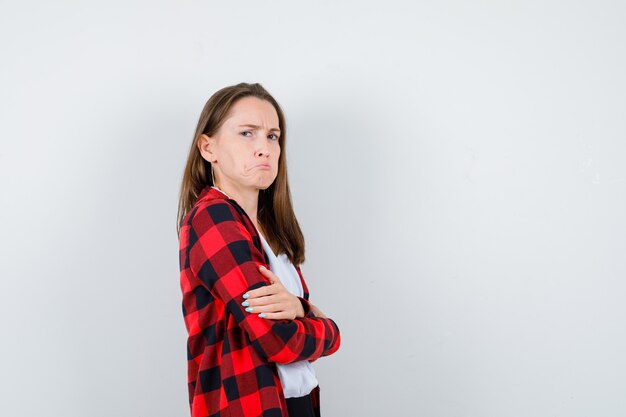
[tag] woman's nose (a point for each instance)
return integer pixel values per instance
(263, 148)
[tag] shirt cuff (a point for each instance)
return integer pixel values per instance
(307, 307)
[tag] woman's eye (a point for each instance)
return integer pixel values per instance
(272, 136)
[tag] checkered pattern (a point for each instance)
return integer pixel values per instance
(232, 354)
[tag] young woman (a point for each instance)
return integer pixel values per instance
(253, 333)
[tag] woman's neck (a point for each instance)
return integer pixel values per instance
(248, 199)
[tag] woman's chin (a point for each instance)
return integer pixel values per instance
(265, 183)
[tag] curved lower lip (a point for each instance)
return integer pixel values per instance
(263, 166)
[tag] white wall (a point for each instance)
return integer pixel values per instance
(457, 168)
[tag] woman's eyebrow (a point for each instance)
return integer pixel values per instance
(274, 129)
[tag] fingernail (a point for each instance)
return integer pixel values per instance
(245, 303)
(262, 315)
(262, 267)
(249, 309)
(246, 295)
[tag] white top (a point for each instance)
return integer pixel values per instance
(297, 378)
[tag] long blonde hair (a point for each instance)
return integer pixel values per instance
(275, 211)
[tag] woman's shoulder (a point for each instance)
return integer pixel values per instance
(214, 211)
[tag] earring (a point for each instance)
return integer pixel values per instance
(213, 175)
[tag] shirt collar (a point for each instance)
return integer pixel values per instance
(209, 193)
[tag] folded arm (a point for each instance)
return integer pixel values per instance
(222, 254)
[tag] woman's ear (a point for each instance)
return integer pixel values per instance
(206, 146)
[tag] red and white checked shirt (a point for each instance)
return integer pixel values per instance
(231, 353)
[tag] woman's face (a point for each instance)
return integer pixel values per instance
(245, 150)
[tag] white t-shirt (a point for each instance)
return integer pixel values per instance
(298, 378)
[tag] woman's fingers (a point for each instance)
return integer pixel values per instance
(272, 277)
(260, 292)
(261, 301)
(273, 288)
(272, 301)
(317, 311)
(266, 308)
(282, 315)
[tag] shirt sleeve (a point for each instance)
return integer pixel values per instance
(222, 254)
(308, 313)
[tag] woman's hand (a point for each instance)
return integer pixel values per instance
(273, 301)
(317, 311)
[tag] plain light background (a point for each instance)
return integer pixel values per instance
(458, 169)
